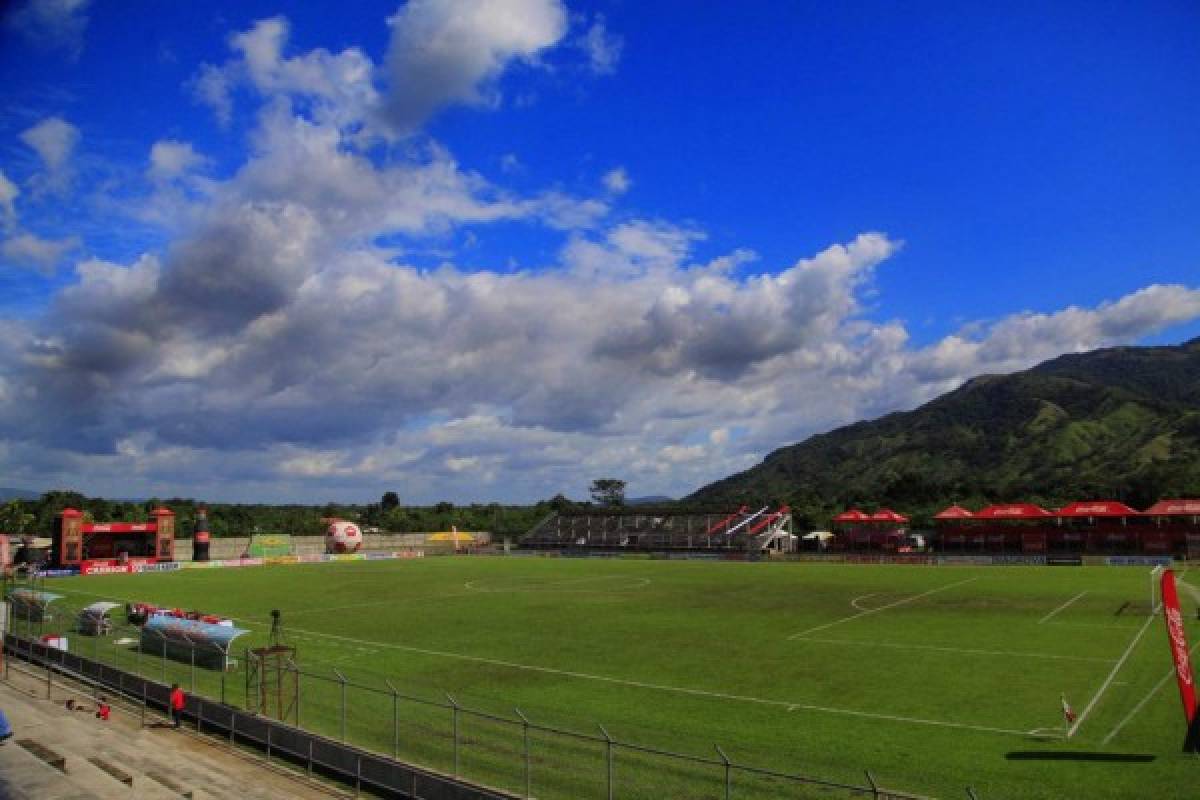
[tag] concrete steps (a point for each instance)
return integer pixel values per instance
(161, 763)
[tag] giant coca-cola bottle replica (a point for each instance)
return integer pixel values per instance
(200, 536)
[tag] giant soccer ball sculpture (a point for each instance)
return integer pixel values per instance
(343, 537)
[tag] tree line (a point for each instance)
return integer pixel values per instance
(36, 517)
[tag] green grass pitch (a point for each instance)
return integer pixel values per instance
(931, 678)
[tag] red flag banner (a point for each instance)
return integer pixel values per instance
(1177, 638)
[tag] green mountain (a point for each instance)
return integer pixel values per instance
(1121, 423)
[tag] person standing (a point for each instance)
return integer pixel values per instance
(177, 703)
(6, 730)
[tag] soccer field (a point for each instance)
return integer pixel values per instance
(932, 678)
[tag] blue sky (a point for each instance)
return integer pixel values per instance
(492, 250)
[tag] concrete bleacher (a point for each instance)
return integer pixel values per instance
(632, 530)
(121, 758)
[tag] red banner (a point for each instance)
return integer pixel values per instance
(1177, 638)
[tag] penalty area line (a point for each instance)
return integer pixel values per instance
(1063, 607)
(1141, 703)
(852, 617)
(1108, 681)
(789, 706)
(956, 650)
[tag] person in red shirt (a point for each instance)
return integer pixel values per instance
(177, 702)
(102, 709)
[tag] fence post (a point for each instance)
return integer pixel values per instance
(608, 759)
(163, 661)
(224, 666)
(200, 716)
(725, 758)
(137, 667)
(874, 785)
(310, 743)
(525, 731)
(143, 680)
(193, 648)
(454, 712)
(395, 721)
(299, 687)
(49, 673)
(270, 727)
(342, 678)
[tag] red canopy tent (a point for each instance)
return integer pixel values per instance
(852, 515)
(1097, 508)
(1181, 534)
(887, 515)
(954, 512)
(1174, 508)
(1014, 511)
(1027, 539)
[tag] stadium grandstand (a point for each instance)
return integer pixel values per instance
(743, 530)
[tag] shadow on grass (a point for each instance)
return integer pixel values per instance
(1073, 755)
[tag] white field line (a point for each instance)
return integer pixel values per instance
(854, 602)
(852, 617)
(1142, 702)
(1107, 681)
(657, 686)
(399, 601)
(1063, 607)
(1091, 625)
(957, 650)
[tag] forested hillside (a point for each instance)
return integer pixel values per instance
(1120, 423)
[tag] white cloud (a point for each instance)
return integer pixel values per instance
(25, 249)
(277, 345)
(8, 202)
(53, 23)
(212, 86)
(274, 338)
(334, 87)
(54, 140)
(170, 159)
(602, 48)
(445, 52)
(617, 181)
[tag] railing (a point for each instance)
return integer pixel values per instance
(277, 741)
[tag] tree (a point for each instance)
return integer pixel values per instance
(608, 491)
(560, 503)
(14, 520)
(390, 501)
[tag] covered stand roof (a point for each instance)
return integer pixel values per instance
(1097, 508)
(954, 512)
(1016, 511)
(1174, 508)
